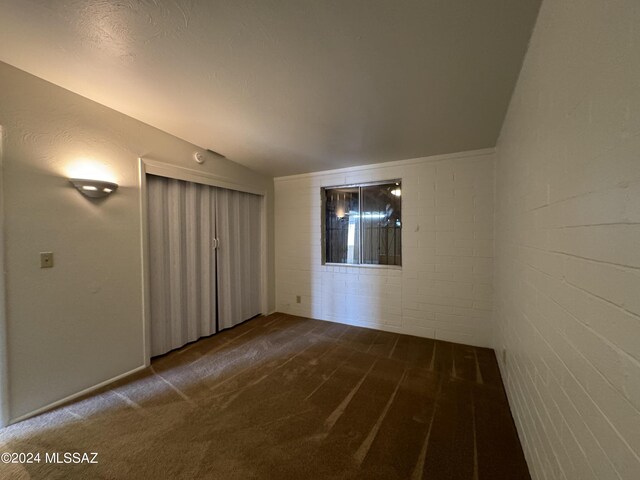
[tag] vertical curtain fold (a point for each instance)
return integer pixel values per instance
(186, 272)
(182, 265)
(239, 267)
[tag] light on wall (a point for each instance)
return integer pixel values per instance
(93, 188)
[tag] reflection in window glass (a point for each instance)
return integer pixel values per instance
(363, 224)
(342, 233)
(381, 224)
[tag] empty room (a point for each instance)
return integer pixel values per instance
(320, 239)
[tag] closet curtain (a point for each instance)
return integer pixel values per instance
(182, 262)
(204, 260)
(238, 226)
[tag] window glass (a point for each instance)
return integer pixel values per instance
(342, 232)
(363, 224)
(381, 224)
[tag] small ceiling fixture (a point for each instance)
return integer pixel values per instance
(198, 157)
(93, 188)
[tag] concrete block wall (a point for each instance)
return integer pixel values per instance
(567, 302)
(444, 288)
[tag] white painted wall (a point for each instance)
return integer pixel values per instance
(4, 393)
(81, 322)
(568, 243)
(444, 288)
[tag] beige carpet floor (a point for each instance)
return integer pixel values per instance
(283, 397)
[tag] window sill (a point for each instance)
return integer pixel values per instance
(362, 265)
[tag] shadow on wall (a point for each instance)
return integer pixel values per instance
(4, 394)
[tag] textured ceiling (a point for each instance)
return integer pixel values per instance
(286, 86)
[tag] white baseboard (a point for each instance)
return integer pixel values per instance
(74, 396)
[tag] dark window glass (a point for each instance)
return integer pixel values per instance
(363, 224)
(381, 224)
(342, 232)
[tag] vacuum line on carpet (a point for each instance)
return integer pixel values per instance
(239, 392)
(419, 468)
(242, 389)
(172, 386)
(250, 367)
(364, 448)
(286, 417)
(479, 378)
(76, 415)
(329, 376)
(256, 382)
(316, 361)
(214, 350)
(373, 342)
(433, 357)
(343, 333)
(127, 400)
(394, 346)
(272, 320)
(337, 413)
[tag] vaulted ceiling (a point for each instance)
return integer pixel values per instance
(286, 86)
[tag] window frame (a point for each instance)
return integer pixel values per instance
(323, 215)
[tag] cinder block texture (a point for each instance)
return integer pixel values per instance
(444, 288)
(567, 301)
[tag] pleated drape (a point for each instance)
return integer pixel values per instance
(192, 282)
(238, 226)
(181, 262)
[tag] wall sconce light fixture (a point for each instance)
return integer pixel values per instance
(93, 188)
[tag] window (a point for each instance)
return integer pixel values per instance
(363, 224)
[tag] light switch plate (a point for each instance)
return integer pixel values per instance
(46, 259)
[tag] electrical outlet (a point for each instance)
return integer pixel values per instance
(298, 299)
(46, 259)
